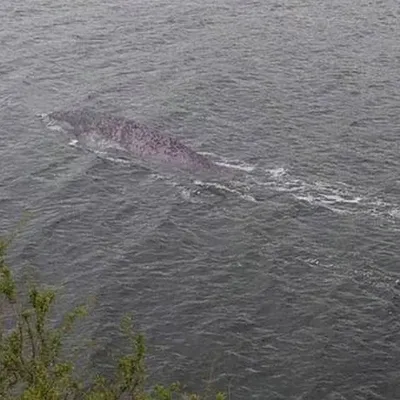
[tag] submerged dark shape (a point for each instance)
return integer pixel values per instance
(131, 136)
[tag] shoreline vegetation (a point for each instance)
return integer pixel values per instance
(31, 363)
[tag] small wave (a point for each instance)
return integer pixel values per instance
(379, 207)
(334, 198)
(105, 156)
(73, 143)
(209, 154)
(277, 172)
(317, 201)
(185, 193)
(246, 168)
(395, 213)
(232, 164)
(50, 124)
(223, 188)
(54, 127)
(43, 116)
(157, 177)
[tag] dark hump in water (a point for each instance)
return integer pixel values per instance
(136, 138)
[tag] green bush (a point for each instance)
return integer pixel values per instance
(31, 363)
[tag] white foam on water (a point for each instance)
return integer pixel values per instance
(380, 207)
(185, 193)
(330, 197)
(277, 173)
(156, 177)
(50, 124)
(395, 213)
(243, 167)
(337, 197)
(307, 198)
(310, 199)
(115, 160)
(223, 188)
(207, 153)
(118, 160)
(54, 127)
(43, 116)
(227, 163)
(73, 143)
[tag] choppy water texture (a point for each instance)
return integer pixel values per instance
(281, 283)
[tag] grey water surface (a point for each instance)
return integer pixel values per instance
(281, 283)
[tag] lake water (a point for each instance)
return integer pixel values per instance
(281, 284)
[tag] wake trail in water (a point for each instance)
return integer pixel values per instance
(337, 197)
